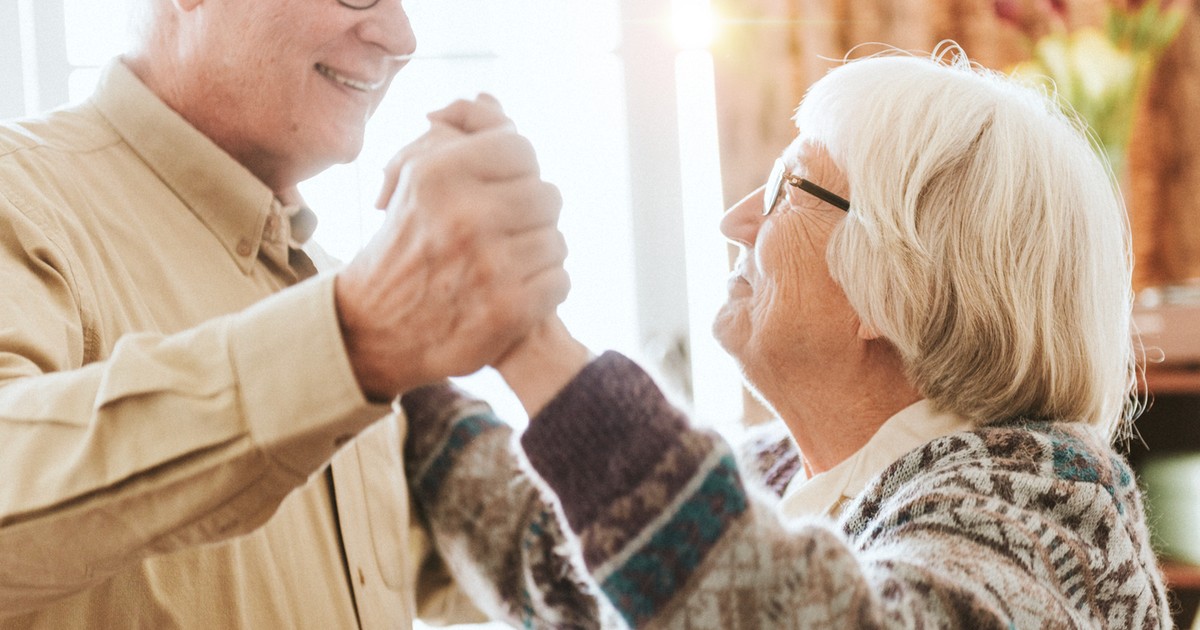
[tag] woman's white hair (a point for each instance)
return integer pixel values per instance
(986, 239)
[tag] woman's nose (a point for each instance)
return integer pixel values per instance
(741, 222)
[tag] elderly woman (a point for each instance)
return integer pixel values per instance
(933, 293)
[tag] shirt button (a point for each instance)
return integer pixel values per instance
(243, 248)
(271, 229)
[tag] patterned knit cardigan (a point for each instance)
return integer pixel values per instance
(1016, 525)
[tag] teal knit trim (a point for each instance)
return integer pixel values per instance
(652, 576)
(461, 435)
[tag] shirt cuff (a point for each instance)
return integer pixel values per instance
(298, 392)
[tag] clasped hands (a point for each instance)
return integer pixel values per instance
(468, 261)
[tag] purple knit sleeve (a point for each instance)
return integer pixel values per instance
(602, 436)
(649, 496)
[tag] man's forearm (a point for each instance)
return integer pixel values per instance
(171, 442)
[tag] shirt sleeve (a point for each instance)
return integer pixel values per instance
(170, 441)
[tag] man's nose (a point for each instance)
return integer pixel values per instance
(387, 25)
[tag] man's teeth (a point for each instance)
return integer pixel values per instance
(361, 86)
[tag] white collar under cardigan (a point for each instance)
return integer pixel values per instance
(826, 493)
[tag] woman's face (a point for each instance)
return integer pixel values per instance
(784, 316)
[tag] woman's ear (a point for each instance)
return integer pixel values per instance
(867, 333)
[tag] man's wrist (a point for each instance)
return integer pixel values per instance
(355, 336)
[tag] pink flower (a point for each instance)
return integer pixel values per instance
(1033, 18)
(1009, 11)
(1133, 6)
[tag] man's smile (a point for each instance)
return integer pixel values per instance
(354, 84)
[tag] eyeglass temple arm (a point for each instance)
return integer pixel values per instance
(822, 194)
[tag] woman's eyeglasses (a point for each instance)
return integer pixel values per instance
(780, 176)
(359, 5)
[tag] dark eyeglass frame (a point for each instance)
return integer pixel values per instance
(780, 175)
(358, 5)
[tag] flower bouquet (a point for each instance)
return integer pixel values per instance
(1099, 72)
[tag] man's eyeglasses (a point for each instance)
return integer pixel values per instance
(780, 176)
(359, 5)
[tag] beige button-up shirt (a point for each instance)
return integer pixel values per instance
(169, 401)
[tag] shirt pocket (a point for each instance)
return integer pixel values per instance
(382, 472)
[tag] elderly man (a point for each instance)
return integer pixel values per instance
(194, 429)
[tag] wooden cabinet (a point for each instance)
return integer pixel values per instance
(1171, 426)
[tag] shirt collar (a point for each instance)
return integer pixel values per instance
(223, 194)
(828, 492)
(287, 229)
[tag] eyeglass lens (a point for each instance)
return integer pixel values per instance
(773, 187)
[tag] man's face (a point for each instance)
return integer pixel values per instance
(287, 86)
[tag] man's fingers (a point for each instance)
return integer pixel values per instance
(391, 178)
(548, 288)
(518, 205)
(431, 141)
(471, 116)
(495, 154)
(535, 251)
(535, 263)
(492, 155)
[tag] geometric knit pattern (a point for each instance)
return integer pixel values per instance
(770, 456)
(502, 540)
(1012, 525)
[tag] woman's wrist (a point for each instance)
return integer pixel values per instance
(542, 364)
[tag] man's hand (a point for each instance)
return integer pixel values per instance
(467, 262)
